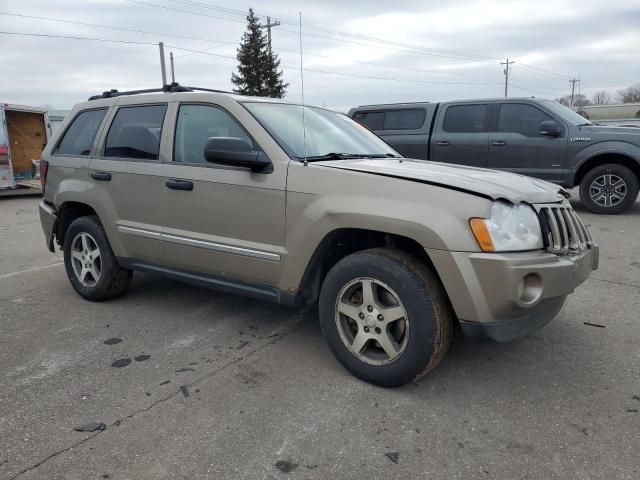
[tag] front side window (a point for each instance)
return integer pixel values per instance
(465, 119)
(324, 132)
(403, 119)
(521, 118)
(135, 132)
(196, 124)
(79, 137)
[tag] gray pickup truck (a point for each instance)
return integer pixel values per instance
(530, 136)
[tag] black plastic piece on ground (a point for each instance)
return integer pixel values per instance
(91, 427)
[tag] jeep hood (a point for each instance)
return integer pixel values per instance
(491, 184)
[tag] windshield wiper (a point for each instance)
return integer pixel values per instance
(347, 156)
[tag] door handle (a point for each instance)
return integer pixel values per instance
(101, 176)
(442, 143)
(498, 143)
(176, 184)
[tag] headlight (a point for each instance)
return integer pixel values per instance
(509, 228)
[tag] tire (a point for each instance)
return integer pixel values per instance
(420, 337)
(91, 266)
(599, 194)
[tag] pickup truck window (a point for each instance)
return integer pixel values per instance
(566, 114)
(135, 132)
(325, 132)
(372, 120)
(196, 124)
(403, 119)
(521, 118)
(79, 137)
(465, 119)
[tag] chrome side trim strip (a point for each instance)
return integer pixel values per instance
(219, 247)
(139, 232)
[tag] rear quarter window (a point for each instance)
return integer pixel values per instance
(371, 120)
(404, 119)
(78, 139)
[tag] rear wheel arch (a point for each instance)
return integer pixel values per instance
(341, 242)
(67, 213)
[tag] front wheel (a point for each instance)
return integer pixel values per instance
(609, 189)
(385, 316)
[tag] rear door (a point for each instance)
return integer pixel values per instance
(460, 135)
(126, 184)
(221, 220)
(515, 143)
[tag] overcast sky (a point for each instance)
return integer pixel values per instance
(432, 50)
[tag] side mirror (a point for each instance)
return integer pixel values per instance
(237, 152)
(550, 128)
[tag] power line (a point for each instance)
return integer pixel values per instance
(222, 43)
(71, 37)
(542, 71)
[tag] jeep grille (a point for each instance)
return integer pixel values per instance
(562, 230)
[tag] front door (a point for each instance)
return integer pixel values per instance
(515, 144)
(461, 136)
(221, 220)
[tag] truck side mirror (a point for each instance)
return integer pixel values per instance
(237, 152)
(550, 128)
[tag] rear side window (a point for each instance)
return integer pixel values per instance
(403, 119)
(371, 120)
(196, 124)
(521, 118)
(135, 132)
(465, 119)
(79, 137)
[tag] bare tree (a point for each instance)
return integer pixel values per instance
(630, 94)
(601, 97)
(578, 101)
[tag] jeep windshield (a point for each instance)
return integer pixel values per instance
(327, 135)
(566, 114)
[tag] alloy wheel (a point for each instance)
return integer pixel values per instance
(86, 259)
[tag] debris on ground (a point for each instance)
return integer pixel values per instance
(242, 344)
(594, 324)
(185, 391)
(142, 358)
(123, 362)
(286, 466)
(91, 427)
(180, 370)
(165, 382)
(393, 456)
(112, 341)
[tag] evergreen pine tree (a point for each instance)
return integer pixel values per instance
(258, 72)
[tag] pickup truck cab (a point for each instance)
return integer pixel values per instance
(249, 196)
(530, 136)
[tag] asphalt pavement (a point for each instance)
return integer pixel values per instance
(190, 383)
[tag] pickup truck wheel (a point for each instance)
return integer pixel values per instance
(385, 316)
(91, 266)
(609, 189)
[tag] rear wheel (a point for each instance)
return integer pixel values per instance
(386, 316)
(91, 266)
(609, 189)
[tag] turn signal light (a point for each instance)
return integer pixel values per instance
(480, 231)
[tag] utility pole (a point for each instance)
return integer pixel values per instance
(506, 75)
(162, 67)
(173, 73)
(573, 87)
(268, 27)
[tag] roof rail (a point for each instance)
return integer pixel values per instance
(170, 88)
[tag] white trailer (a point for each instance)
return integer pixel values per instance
(24, 132)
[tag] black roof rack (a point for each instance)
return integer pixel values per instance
(170, 88)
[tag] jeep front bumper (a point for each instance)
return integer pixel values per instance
(504, 296)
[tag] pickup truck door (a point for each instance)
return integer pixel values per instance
(516, 145)
(460, 135)
(220, 220)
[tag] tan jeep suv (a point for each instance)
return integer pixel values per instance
(300, 205)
